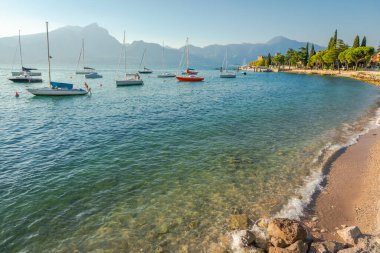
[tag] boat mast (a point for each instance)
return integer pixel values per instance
(83, 53)
(125, 54)
(19, 43)
(142, 58)
(48, 48)
(163, 55)
(187, 53)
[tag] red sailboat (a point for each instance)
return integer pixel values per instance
(190, 74)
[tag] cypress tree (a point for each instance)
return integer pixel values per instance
(356, 42)
(335, 37)
(269, 58)
(312, 51)
(331, 44)
(306, 54)
(364, 42)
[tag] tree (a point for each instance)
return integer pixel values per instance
(343, 59)
(268, 60)
(330, 57)
(364, 42)
(359, 55)
(312, 50)
(378, 49)
(306, 55)
(279, 60)
(356, 42)
(331, 43)
(335, 36)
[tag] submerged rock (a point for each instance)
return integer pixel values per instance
(239, 221)
(288, 230)
(247, 238)
(350, 234)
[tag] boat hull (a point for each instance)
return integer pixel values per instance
(166, 75)
(145, 71)
(18, 73)
(56, 92)
(81, 72)
(120, 83)
(190, 78)
(25, 80)
(227, 76)
(93, 76)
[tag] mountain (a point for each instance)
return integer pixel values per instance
(102, 48)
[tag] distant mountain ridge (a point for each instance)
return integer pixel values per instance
(102, 48)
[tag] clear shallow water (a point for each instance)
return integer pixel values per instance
(163, 165)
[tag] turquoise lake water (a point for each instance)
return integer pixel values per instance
(135, 169)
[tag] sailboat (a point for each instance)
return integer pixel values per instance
(24, 76)
(190, 74)
(86, 70)
(130, 79)
(145, 70)
(224, 70)
(164, 74)
(57, 88)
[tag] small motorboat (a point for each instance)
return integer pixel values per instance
(130, 80)
(146, 71)
(58, 89)
(190, 78)
(93, 75)
(165, 75)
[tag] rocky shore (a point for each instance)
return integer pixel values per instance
(372, 77)
(282, 235)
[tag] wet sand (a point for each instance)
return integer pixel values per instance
(351, 195)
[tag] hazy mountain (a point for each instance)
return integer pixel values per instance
(102, 48)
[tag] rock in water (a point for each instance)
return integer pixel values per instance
(247, 238)
(239, 221)
(350, 234)
(288, 230)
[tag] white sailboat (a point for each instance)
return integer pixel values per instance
(25, 75)
(164, 74)
(130, 79)
(85, 70)
(224, 70)
(145, 70)
(57, 88)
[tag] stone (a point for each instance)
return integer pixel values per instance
(263, 223)
(352, 250)
(288, 230)
(261, 237)
(350, 234)
(323, 230)
(297, 247)
(247, 238)
(326, 247)
(278, 242)
(238, 221)
(315, 219)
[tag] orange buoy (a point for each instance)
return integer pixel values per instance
(17, 94)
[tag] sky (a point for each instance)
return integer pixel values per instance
(206, 22)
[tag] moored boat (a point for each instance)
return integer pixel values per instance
(129, 79)
(190, 78)
(93, 75)
(224, 73)
(145, 70)
(190, 74)
(165, 75)
(57, 88)
(25, 78)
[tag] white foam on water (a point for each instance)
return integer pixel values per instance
(294, 209)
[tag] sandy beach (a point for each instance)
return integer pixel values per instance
(350, 196)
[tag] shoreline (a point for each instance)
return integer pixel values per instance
(351, 187)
